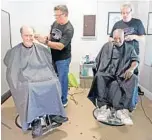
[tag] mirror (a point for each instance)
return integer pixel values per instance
(148, 43)
(5, 45)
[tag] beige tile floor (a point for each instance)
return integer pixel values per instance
(81, 124)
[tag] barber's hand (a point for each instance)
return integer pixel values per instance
(128, 74)
(41, 39)
(130, 37)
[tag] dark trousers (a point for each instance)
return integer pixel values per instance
(114, 91)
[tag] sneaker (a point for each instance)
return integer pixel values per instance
(58, 119)
(36, 128)
(52, 123)
(123, 115)
(65, 104)
(103, 114)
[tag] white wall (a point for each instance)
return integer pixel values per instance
(39, 13)
(146, 68)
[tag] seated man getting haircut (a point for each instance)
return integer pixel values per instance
(35, 88)
(114, 81)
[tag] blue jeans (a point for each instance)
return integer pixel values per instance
(135, 97)
(62, 71)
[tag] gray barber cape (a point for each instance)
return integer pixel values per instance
(108, 86)
(33, 82)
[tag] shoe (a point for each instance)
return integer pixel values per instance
(123, 115)
(37, 129)
(51, 123)
(58, 119)
(135, 107)
(65, 104)
(103, 114)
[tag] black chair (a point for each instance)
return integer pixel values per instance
(112, 120)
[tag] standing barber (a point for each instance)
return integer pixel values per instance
(59, 41)
(133, 28)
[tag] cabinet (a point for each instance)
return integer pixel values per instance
(89, 25)
(86, 75)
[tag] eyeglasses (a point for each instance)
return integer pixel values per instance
(127, 13)
(58, 15)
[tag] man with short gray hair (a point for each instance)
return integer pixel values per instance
(59, 41)
(133, 28)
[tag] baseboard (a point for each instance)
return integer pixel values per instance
(148, 94)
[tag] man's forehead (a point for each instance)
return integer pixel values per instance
(118, 35)
(126, 9)
(27, 31)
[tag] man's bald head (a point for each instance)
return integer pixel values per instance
(25, 28)
(27, 34)
(118, 36)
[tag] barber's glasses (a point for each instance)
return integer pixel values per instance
(59, 15)
(126, 13)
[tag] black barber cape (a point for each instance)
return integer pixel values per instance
(108, 86)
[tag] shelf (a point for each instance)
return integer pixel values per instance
(86, 77)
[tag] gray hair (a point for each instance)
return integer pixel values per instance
(119, 31)
(126, 5)
(62, 8)
(23, 27)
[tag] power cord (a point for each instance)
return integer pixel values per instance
(144, 110)
(72, 96)
(6, 125)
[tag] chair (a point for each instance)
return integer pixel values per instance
(112, 119)
(45, 122)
